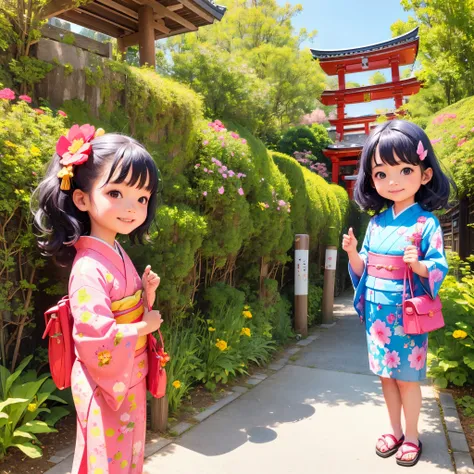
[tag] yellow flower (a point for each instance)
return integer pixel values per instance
(247, 314)
(221, 345)
(245, 332)
(35, 151)
(262, 206)
(104, 358)
(10, 144)
(459, 334)
(32, 407)
(83, 296)
(211, 329)
(176, 384)
(246, 307)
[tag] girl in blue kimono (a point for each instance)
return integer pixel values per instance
(398, 172)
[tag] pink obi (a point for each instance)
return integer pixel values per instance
(388, 267)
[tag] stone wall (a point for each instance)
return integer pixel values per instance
(68, 79)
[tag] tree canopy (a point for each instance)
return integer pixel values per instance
(249, 67)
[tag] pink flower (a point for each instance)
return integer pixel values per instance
(63, 114)
(462, 141)
(221, 190)
(241, 191)
(391, 359)
(391, 318)
(436, 140)
(7, 94)
(204, 193)
(380, 333)
(232, 153)
(39, 111)
(224, 175)
(231, 173)
(436, 275)
(197, 165)
(472, 129)
(437, 240)
(26, 98)
(234, 135)
(417, 358)
(223, 144)
(205, 170)
(421, 219)
(281, 203)
(462, 126)
(205, 142)
(244, 141)
(453, 136)
(379, 307)
(374, 364)
(75, 148)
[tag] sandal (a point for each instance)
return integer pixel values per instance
(393, 449)
(413, 448)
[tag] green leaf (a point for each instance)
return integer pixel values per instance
(17, 373)
(36, 426)
(31, 450)
(448, 364)
(4, 374)
(469, 361)
(57, 399)
(56, 414)
(441, 382)
(11, 401)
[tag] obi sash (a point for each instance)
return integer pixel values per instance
(389, 267)
(130, 310)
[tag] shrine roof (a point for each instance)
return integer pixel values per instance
(119, 18)
(323, 54)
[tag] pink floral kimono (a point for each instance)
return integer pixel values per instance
(109, 375)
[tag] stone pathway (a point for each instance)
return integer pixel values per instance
(320, 411)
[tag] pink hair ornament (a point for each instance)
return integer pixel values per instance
(421, 152)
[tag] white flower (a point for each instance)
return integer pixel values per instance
(124, 417)
(137, 448)
(119, 387)
(399, 331)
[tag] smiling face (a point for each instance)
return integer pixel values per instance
(398, 183)
(114, 208)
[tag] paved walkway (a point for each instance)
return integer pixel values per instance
(321, 414)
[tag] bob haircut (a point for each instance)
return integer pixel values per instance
(61, 223)
(401, 138)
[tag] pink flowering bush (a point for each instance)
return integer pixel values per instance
(307, 159)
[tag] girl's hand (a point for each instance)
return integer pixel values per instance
(150, 282)
(410, 257)
(349, 242)
(150, 323)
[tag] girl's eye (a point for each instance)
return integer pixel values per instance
(407, 171)
(143, 200)
(115, 194)
(380, 175)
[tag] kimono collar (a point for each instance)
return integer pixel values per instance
(395, 216)
(87, 242)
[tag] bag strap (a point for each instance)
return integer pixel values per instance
(151, 339)
(407, 276)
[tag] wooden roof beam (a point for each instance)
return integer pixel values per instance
(104, 20)
(194, 8)
(93, 23)
(159, 25)
(162, 12)
(56, 7)
(117, 6)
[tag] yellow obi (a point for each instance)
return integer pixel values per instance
(130, 310)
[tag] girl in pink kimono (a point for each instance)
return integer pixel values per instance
(97, 186)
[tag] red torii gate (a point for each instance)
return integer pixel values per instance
(399, 51)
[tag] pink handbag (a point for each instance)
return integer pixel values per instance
(421, 314)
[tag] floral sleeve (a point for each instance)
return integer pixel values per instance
(432, 251)
(103, 346)
(364, 251)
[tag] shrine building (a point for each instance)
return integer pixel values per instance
(351, 132)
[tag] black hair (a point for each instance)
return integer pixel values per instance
(61, 223)
(401, 138)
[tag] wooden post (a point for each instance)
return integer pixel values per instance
(121, 47)
(329, 282)
(301, 283)
(159, 414)
(146, 36)
(335, 170)
(464, 230)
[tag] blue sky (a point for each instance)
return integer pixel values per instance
(346, 24)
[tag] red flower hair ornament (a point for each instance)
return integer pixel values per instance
(74, 150)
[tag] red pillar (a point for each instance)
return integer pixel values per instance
(335, 170)
(340, 118)
(395, 70)
(341, 71)
(366, 128)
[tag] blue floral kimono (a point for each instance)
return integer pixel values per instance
(392, 353)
